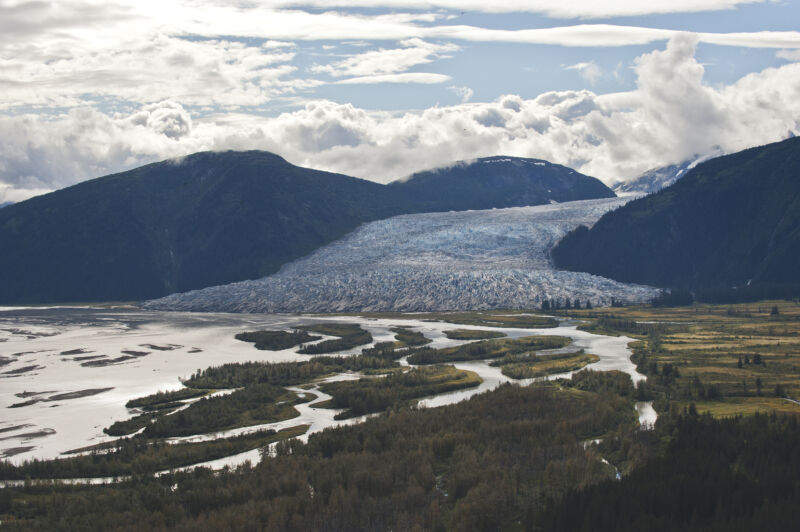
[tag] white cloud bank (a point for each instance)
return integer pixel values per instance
(551, 8)
(670, 116)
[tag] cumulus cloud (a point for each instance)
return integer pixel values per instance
(194, 72)
(670, 116)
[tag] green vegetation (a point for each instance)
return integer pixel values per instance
(160, 398)
(726, 359)
(749, 238)
(163, 228)
(485, 464)
(237, 375)
(350, 335)
(472, 334)
(369, 395)
(255, 404)
(487, 349)
(615, 382)
(543, 365)
(276, 340)
(138, 456)
(699, 477)
(261, 398)
(409, 338)
(510, 182)
(615, 326)
(497, 319)
(485, 318)
(129, 426)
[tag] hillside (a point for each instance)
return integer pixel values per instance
(731, 221)
(208, 219)
(495, 182)
(424, 262)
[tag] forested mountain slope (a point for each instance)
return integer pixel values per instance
(495, 182)
(731, 221)
(217, 217)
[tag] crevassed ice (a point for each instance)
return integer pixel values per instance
(483, 259)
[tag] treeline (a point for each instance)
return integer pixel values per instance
(727, 294)
(157, 400)
(616, 325)
(251, 405)
(350, 335)
(485, 464)
(137, 456)
(472, 334)
(276, 340)
(236, 375)
(487, 349)
(707, 479)
(616, 382)
(407, 337)
(369, 395)
(547, 365)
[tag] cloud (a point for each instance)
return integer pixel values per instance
(588, 71)
(789, 55)
(408, 77)
(167, 118)
(551, 8)
(379, 62)
(465, 93)
(194, 72)
(56, 55)
(670, 116)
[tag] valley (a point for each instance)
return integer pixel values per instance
(465, 260)
(41, 420)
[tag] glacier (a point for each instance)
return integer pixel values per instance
(465, 260)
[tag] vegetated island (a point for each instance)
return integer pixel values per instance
(487, 349)
(350, 335)
(276, 340)
(369, 395)
(472, 334)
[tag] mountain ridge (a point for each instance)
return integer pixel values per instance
(206, 219)
(731, 221)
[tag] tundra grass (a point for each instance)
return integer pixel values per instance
(730, 359)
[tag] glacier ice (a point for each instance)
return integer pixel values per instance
(485, 259)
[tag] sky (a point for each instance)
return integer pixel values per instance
(379, 90)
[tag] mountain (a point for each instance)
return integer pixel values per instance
(495, 182)
(657, 178)
(6, 204)
(731, 221)
(206, 219)
(477, 259)
(653, 180)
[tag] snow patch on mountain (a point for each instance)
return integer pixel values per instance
(483, 259)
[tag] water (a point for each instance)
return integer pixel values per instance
(177, 344)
